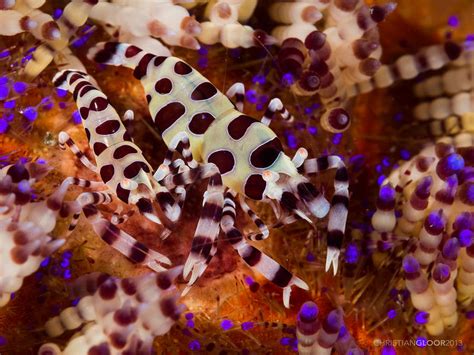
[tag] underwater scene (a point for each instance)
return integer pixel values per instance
(236, 177)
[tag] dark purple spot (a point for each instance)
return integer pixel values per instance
(107, 172)
(99, 147)
(88, 134)
(132, 51)
(159, 60)
(124, 150)
(75, 77)
(203, 91)
(86, 89)
(108, 127)
(123, 194)
(84, 112)
(163, 86)
(239, 126)
(99, 104)
(133, 169)
(254, 187)
(168, 115)
(223, 159)
(266, 154)
(200, 122)
(78, 88)
(182, 68)
(141, 68)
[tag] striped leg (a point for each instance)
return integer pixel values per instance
(202, 171)
(204, 242)
(275, 106)
(99, 198)
(136, 251)
(237, 90)
(64, 139)
(180, 142)
(254, 258)
(264, 233)
(55, 201)
(339, 203)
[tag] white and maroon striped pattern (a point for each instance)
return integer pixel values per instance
(254, 258)
(120, 162)
(123, 315)
(204, 247)
(186, 107)
(339, 204)
(409, 66)
(25, 224)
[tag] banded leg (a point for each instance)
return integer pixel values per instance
(339, 203)
(55, 201)
(254, 258)
(264, 233)
(237, 90)
(98, 198)
(202, 171)
(288, 201)
(124, 243)
(64, 139)
(204, 242)
(180, 142)
(275, 106)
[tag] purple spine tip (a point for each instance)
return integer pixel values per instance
(333, 322)
(422, 317)
(386, 199)
(464, 221)
(410, 264)
(423, 188)
(450, 165)
(434, 223)
(441, 273)
(466, 237)
(451, 249)
(308, 312)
